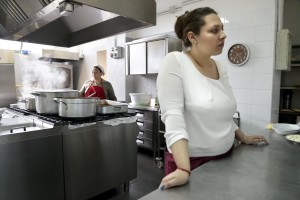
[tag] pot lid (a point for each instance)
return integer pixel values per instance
(56, 90)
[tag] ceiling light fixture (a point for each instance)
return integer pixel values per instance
(65, 9)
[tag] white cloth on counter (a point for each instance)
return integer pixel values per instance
(123, 120)
(196, 108)
(81, 125)
(110, 122)
(2, 110)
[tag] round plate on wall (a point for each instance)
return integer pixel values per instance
(238, 54)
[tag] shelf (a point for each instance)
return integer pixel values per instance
(295, 63)
(290, 111)
(290, 87)
(295, 46)
(295, 60)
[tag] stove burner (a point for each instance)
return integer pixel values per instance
(57, 120)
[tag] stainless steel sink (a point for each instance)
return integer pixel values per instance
(21, 124)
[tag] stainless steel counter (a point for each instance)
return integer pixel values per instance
(149, 108)
(98, 158)
(32, 165)
(264, 172)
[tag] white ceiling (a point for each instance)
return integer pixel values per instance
(164, 5)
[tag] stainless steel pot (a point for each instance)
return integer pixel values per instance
(44, 99)
(30, 103)
(77, 107)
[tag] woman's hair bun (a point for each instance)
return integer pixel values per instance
(191, 21)
(180, 25)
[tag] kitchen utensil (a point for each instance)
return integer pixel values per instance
(287, 99)
(75, 107)
(30, 103)
(108, 107)
(285, 129)
(140, 99)
(44, 99)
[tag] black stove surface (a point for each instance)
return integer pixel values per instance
(57, 120)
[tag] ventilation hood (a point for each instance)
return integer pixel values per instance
(57, 55)
(68, 23)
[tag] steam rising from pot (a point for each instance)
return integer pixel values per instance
(33, 74)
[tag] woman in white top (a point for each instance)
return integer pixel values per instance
(196, 100)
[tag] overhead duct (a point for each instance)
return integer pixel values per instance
(69, 23)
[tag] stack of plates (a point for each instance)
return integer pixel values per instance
(286, 129)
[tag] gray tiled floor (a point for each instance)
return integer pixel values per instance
(148, 179)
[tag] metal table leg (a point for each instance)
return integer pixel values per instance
(126, 186)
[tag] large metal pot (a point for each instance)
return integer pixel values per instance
(30, 103)
(77, 107)
(44, 99)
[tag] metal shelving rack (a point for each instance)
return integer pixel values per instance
(295, 63)
(161, 130)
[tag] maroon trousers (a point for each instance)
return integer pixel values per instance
(195, 162)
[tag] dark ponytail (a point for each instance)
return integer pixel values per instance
(191, 21)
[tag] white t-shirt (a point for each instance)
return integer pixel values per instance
(195, 107)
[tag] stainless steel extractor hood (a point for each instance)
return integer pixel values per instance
(69, 23)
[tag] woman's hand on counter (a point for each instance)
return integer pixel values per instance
(176, 178)
(254, 139)
(250, 139)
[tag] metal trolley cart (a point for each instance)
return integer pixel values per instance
(237, 118)
(160, 141)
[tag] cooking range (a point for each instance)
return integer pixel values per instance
(60, 121)
(63, 158)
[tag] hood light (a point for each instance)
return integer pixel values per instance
(65, 9)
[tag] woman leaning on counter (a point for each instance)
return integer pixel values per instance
(196, 99)
(97, 86)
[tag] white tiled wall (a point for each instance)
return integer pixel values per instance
(116, 67)
(255, 84)
(141, 84)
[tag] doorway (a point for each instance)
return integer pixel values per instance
(101, 60)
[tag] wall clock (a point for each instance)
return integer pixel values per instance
(238, 54)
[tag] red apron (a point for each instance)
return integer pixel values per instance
(95, 91)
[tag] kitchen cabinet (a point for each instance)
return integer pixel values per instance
(149, 136)
(290, 90)
(145, 55)
(138, 58)
(289, 104)
(155, 54)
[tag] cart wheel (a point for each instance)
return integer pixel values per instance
(159, 162)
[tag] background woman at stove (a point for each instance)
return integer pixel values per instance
(97, 86)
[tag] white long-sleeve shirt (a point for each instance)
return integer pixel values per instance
(195, 107)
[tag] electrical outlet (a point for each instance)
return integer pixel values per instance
(116, 52)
